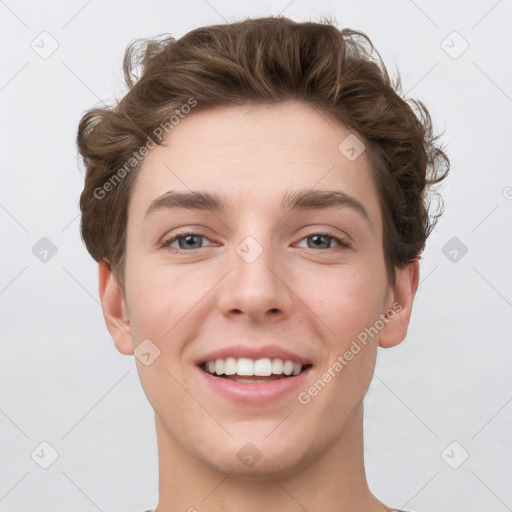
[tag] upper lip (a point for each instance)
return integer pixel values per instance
(260, 352)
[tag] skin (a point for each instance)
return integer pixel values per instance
(313, 300)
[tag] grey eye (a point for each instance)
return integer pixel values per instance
(189, 242)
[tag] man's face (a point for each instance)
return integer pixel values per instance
(257, 281)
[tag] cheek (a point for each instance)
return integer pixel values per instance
(167, 306)
(156, 299)
(347, 301)
(349, 304)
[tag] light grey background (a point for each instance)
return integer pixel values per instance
(62, 380)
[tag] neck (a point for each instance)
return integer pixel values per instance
(334, 481)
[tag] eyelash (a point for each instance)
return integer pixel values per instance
(343, 243)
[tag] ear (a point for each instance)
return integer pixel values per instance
(115, 310)
(400, 307)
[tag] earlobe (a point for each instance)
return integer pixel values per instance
(114, 309)
(400, 309)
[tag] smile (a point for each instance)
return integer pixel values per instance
(265, 369)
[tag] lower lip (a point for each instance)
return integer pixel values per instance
(257, 392)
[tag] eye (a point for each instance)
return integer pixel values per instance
(323, 241)
(190, 241)
(185, 241)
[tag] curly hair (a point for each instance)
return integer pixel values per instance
(262, 61)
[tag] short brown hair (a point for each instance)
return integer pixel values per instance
(262, 61)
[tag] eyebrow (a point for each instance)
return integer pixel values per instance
(297, 200)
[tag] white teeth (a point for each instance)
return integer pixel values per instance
(244, 366)
(230, 366)
(297, 367)
(277, 366)
(219, 366)
(263, 367)
(288, 368)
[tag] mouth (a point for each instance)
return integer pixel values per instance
(253, 371)
(254, 375)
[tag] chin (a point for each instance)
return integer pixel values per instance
(256, 457)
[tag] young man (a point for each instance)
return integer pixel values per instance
(257, 206)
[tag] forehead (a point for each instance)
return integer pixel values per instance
(255, 155)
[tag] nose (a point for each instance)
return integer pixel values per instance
(258, 285)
